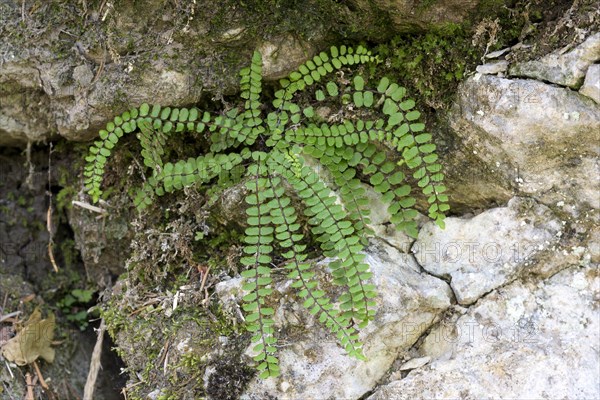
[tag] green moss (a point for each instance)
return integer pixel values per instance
(430, 64)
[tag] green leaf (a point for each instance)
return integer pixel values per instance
(389, 107)
(410, 153)
(359, 83)
(164, 114)
(144, 109)
(368, 99)
(395, 119)
(402, 191)
(383, 85)
(155, 111)
(407, 105)
(430, 158)
(396, 178)
(413, 115)
(357, 97)
(427, 148)
(377, 179)
(423, 138)
(332, 89)
(398, 94)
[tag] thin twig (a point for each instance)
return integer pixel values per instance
(30, 386)
(9, 316)
(90, 384)
(40, 376)
(205, 275)
(30, 167)
(9, 370)
(89, 207)
(49, 225)
(5, 300)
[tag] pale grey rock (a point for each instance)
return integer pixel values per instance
(591, 85)
(484, 252)
(594, 244)
(83, 75)
(24, 113)
(232, 34)
(394, 237)
(63, 85)
(313, 365)
(539, 139)
(497, 53)
(67, 101)
(379, 222)
(525, 341)
(414, 363)
(566, 69)
(492, 68)
(283, 55)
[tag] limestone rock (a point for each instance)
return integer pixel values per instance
(414, 363)
(591, 85)
(24, 110)
(525, 341)
(566, 69)
(497, 53)
(493, 68)
(58, 84)
(283, 56)
(537, 138)
(315, 366)
(102, 240)
(486, 251)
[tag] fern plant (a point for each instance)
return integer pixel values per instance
(275, 147)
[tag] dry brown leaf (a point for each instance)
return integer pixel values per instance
(32, 341)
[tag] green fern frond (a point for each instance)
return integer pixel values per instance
(272, 146)
(289, 235)
(258, 239)
(185, 173)
(337, 239)
(350, 189)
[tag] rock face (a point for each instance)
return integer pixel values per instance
(84, 65)
(591, 85)
(565, 69)
(484, 252)
(282, 57)
(501, 304)
(102, 240)
(408, 14)
(526, 341)
(90, 64)
(524, 275)
(315, 366)
(538, 138)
